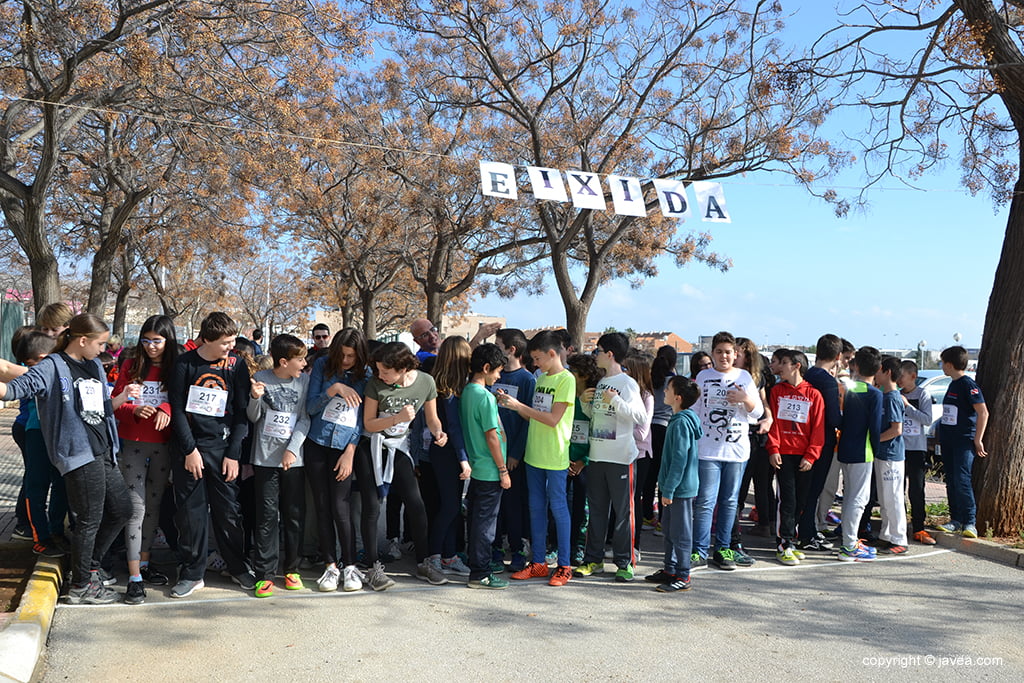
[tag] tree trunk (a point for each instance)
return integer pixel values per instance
(998, 477)
(26, 222)
(368, 301)
(435, 306)
(103, 263)
(577, 308)
(121, 308)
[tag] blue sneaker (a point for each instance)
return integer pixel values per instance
(951, 527)
(969, 531)
(859, 553)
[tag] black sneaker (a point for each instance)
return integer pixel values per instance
(135, 594)
(47, 550)
(247, 579)
(660, 576)
(20, 533)
(697, 562)
(835, 534)
(741, 557)
(817, 544)
(92, 593)
(677, 584)
(105, 577)
(153, 576)
(723, 559)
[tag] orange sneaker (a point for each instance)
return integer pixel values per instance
(561, 576)
(534, 570)
(293, 582)
(924, 538)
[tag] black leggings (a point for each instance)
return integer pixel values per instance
(332, 500)
(403, 482)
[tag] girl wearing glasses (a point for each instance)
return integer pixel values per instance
(145, 456)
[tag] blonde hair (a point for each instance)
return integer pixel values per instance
(451, 370)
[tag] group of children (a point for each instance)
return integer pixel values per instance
(480, 451)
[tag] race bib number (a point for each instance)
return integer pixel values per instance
(716, 396)
(91, 394)
(399, 429)
(794, 410)
(911, 428)
(949, 414)
(279, 424)
(510, 389)
(209, 401)
(580, 431)
(543, 402)
(152, 395)
(340, 413)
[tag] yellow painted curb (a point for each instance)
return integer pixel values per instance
(24, 637)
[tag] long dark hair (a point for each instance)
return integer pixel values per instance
(141, 363)
(354, 339)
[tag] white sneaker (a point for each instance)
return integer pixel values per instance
(328, 581)
(454, 565)
(353, 579)
(215, 563)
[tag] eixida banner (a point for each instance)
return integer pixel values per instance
(586, 191)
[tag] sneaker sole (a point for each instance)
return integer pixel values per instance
(477, 584)
(384, 587)
(351, 589)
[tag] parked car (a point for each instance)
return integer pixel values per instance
(935, 383)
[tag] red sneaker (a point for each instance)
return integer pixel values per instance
(924, 538)
(560, 577)
(534, 570)
(897, 549)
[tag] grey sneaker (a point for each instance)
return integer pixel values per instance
(186, 587)
(247, 580)
(93, 593)
(328, 582)
(392, 551)
(378, 580)
(105, 577)
(430, 571)
(454, 565)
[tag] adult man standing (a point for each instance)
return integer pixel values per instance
(321, 340)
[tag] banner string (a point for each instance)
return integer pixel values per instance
(363, 145)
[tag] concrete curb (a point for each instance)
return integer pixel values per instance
(980, 547)
(23, 639)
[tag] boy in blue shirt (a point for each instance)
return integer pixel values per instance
(964, 419)
(517, 382)
(889, 465)
(485, 448)
(861, 428)
(678, 483)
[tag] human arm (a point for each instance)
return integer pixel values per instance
(239, 424)
(485, 330)
(344, 464)
(434, 423)
(493, 439)
(550, 419)
(9, 371)
(774, 444)
(922, 414)
(765, 423)
(979, 431)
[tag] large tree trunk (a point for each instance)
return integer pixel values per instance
(998, 477)
(121, 308)
(27, 222)
(577, 308)
(435, 306)
(368, 301)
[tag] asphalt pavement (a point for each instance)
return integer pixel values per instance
(934, 614)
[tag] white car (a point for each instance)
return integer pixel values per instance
(935, 383)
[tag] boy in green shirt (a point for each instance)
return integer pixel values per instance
(485, 448)
(547, 454)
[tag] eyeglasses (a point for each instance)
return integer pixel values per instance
(153, 342)
(424, 333)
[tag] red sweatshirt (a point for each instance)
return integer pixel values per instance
(132, 428)
(799, 424)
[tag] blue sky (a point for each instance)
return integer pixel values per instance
(916, 265)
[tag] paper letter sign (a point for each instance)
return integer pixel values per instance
(627, 196)
(711, 201)
(586, 190)
(498, 180)
(547, 183)
(672, 197)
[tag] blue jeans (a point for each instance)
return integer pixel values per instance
(483, 502)
(958, 461)
(547, 489)
(719, 483)
(677, 523)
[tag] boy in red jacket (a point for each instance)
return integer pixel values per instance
(794, 443)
